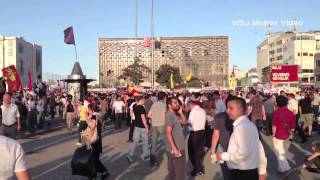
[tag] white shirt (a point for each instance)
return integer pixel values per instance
(293, 106)
(316, 99)
(131, 111)
(220, 106)
(9, 114)
(197, 119)
(118, 106)
(12, 158)
(245, 150)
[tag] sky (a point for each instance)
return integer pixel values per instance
(243, 21)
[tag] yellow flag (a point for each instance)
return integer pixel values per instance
(188, 78)
(171, 81)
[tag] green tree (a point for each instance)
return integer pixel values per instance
(164, 72)
(135, 72)
(194, 82)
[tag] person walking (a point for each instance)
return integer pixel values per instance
(157, 116)
(197, 122)
(118, 108)
(175, 143)
(141, 130)
(245, 155)
(10, 118)
(283, 125)
(69, 111)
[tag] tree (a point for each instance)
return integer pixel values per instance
(136, 71)
(164, 72)
(194, 82)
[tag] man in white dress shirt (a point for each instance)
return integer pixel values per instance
(197, 122)
(245, 156)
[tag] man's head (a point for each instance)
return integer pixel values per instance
(291, 96)
(282, 93)
(236, 107)
(252, 94)
(282, 101)
(191, 105)
(161, 96)
(216, 94)
(140, 100)
(6, 99)
(173, 104)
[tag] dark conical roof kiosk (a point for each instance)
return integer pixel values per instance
(77, 83)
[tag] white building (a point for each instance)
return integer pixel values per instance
(290, 48)
(24, 55)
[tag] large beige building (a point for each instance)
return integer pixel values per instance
(24, 55)
(290, 48)
(206, 57)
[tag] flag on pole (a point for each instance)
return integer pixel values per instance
(68, 36)
(171, 81)
(29, 80)
(147, 42)
(13, 78)
(133, 91)
(189, 77)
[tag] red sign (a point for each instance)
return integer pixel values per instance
(284, 73)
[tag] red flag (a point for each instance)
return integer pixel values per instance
(147, 42)
(68, 36)
(29, 80)
(13, 78)
(132, 91)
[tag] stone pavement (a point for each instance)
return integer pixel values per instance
(49, 156)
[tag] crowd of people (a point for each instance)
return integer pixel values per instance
(228, 125)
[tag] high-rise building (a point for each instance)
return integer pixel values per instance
(206, 57)
(24, 55)
(289, 48)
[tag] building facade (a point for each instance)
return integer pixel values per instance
(22, 54)
(206, 57)
(289, 48)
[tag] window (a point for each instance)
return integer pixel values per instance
(279, 57)
(305, 54)
(279, 50)
(20, 48)
(21, 67)
(271, 52)
(38, 60)
(311, 54)
(205, 52)
(298, 54)
(279, 42)
(304, 80)
(271, 59)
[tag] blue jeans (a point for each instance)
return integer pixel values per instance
(137, 133)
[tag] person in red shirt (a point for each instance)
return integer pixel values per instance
(283, 125)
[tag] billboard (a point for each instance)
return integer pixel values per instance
(284, 73)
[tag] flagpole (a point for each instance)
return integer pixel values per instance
(136, 29)
(75, 50)
(152, 40)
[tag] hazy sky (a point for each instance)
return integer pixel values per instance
(43, 22)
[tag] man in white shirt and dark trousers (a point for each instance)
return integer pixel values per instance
(10, 118)
(118, 108)
(245, 156)
(197, 122)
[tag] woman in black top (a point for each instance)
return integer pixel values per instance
(69, 110)
(94, 123)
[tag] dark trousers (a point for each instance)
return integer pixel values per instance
(300, 131)
(315, 112)
(244, 174)
(177, 166)
(128, 118)
(52, 111)
(208, 136)
(268, 127)
(118, 117)
(82, 126)
(8, 131)
(31, 120)
(131, 131)
(226, 174)
(195, 149)
(99, 166)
